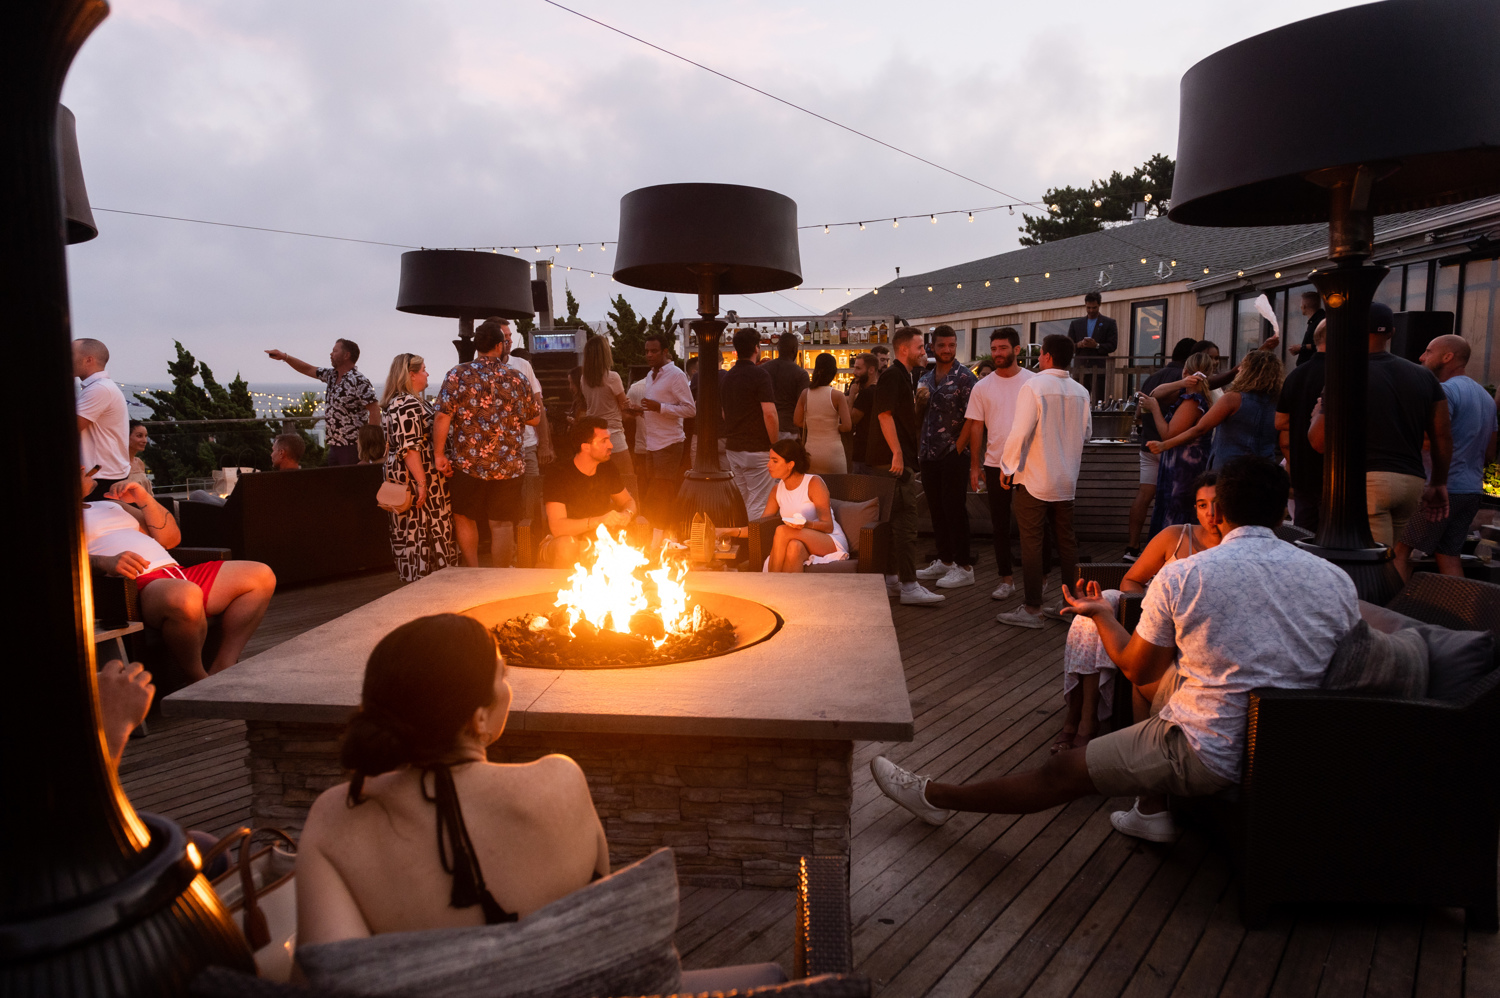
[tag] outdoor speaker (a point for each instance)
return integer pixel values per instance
(539, 296)
(1414, 330)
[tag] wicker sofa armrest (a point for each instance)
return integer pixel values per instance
(761, 532)
(1109, 574)
(823, 942)
(116, 599)
(198, 555)
(527, 540)
(875, 547)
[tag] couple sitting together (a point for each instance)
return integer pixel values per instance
(1231, 608)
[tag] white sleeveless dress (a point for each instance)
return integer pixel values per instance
(793, 503)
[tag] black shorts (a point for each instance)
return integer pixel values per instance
(497, 499)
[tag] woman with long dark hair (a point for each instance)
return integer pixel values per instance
(428, 834)
(824, 413)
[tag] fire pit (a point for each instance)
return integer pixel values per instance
(610, 617)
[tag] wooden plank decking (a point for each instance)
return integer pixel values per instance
(1053, 904)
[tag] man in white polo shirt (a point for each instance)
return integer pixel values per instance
(992, 410)
(1040, 461)
(103, 422)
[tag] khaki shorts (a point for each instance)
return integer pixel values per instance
(1152, 757)
(1391, 500)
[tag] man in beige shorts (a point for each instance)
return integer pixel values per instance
(1254, 611)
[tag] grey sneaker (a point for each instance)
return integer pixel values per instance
(957, 576)
(1020, 618)
(1054, 611)
(907, 789)
(1157, 827)
(934, 571)
(1004, 591)
(915, 595)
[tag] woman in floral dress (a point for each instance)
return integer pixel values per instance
(421, 537)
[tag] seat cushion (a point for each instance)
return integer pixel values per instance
(1374, 662)
(1384, 620)
(613, 937)
(854, 517)
(1455, 659)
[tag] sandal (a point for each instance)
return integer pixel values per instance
(1064, 741)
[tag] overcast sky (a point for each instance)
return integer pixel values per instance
(458, 123)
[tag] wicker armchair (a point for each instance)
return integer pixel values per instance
(1292, 533)
(873, 545)
(1366, 799)
(1109, 574)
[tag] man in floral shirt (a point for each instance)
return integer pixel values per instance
(488, 406)
(349, 402)
(942, 399)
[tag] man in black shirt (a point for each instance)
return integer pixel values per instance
(893, 451)
(582, 493)
(1405, 404)
(750, 423)
(1299, 396)
(1312, 307)
(862, 408)
(1150, 462)
(788, 382)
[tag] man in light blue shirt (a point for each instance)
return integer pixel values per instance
(1472, 414)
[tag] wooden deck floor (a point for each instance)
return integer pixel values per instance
(1053, 904)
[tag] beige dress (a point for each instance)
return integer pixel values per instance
(824, 445)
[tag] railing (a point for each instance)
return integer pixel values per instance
(199, 431)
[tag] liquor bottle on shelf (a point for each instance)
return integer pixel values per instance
(843, 334)
(885, 333)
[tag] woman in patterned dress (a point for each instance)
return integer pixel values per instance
(421, 537)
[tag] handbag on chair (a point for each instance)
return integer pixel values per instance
(260, 894)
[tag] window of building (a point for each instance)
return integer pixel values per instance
(1445, 288)
(1415, 297)
(1293, 322)
(1042, 330)
(1148, 328)
(1389, 292)
(1250, 327)
(1477, 323)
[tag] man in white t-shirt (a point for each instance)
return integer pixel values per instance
(103, 421)
(991, 411)
(1254, 611)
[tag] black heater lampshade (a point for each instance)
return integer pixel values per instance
(81, 227)
(464, 284)
(1407, 87)
(671, 233)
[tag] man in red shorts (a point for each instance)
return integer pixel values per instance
(129, 533)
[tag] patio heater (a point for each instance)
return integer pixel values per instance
(708, 240)
(464, 285)
(1404, 97)
(94, 898)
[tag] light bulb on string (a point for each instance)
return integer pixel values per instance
(557, 249)
(1148, 197)
(825, 230)
(1098, 203)
(1047, 274)
(1205, 270)
(960, 287)
(601, 247)
(580, 247)
(536, 249)
(932, 219)
(971, 216)
(986, 283)
(861, 226)
(1016, 279)
(1278, 273)
(1239, 273)
(895, 223)
(929, 287)
(1143, 259)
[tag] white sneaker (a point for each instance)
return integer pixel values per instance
(1157, 827)
(907, 789)
(1020, 618)
(934, 571)
(915, 595)
(957, 576)
(1005, 591)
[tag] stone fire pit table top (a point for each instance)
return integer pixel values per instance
(833, 670)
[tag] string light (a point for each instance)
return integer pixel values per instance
(601, 247)
(580, 247)
(1239, 273)
(861, 227)
(1143, 259)
(1278, 273)
(929, 287)
(986, 283)
(1017, 280)
(960, 287)
(1147, 196)
(1047, 274)
(895, 223)
(971, 216)
(557, 249)
(825, 229)
(1098, 203)
(932, 219)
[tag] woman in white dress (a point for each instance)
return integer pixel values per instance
(808, 535)
(825, 414)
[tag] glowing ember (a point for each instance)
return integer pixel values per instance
(613, 613)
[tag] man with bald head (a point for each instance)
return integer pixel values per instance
(1471, 413)
(103, 421)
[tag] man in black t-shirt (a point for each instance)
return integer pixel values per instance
(892, 451)
(581, 493)
(750, 422)
(788, 382)
(1405, 404)
(862, 409)
(1299, 396)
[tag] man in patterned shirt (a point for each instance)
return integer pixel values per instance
(488, 405)
(1254, 611)
(942, 399)
(348, 403)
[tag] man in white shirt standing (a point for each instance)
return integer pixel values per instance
(992, 411)
(1040, 462)
(103, 421)
(667, 402)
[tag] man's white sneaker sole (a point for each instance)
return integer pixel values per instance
(907, 789)
(956, 578)
(1157, 827)
(1020, 618)
(922, 597)
(1004, 591)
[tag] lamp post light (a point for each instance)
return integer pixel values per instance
(1380, 145)
(464, 285)
(708, 240)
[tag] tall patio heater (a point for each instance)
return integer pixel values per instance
(95, 899)
(1403, 103)
(464, 285)
(708, 240)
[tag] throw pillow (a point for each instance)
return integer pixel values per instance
(1455, 659)
(613, 937)
(1384, 620)
(853, 517)
(1373, 662)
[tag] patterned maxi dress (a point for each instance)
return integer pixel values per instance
(421, 540)
(1179, 467)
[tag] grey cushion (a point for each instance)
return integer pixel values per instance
(1384, 620)
(1374, 662)
(853, 517)
(613, 937)
(1455, 659)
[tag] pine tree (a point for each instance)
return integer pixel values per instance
(313, 453)
(178, 452)
(1077, 214)
(627, 335)
(571, 320)
(664, 324)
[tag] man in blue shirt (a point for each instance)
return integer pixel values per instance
(1471, 413)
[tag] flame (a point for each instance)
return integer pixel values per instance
(608, 593)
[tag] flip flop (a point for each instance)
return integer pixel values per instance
(1064, 741)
